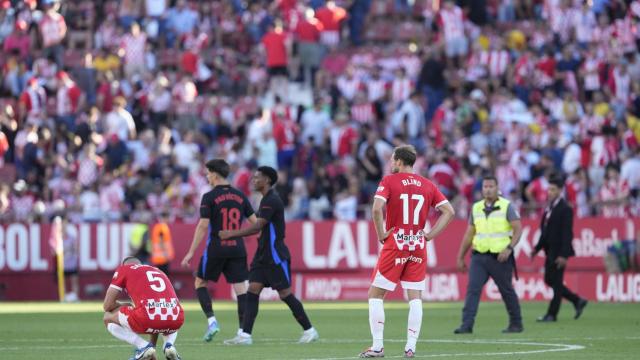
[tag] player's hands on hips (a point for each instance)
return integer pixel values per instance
(224, 234)
(386, 235)
(461, 265)
(561, 262)
(186, 260)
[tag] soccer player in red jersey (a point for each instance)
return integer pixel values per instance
(403, 258)
(155, 310)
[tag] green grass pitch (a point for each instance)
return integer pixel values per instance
(75, 331)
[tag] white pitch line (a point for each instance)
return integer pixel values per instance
(271, 342)
(292, 340)
(558, 348)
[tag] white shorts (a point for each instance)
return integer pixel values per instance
(382, 282)
(123, 320)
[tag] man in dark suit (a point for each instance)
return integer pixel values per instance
(556, 235)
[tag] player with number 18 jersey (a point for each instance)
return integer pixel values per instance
(408, 198)
(156, 308)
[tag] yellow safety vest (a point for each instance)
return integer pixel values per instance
(137, 236)
(493, 232)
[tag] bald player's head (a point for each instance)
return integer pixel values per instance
(131, 260)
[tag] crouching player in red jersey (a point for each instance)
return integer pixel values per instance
(403, 258)
(155, 310)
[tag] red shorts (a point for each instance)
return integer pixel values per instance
(407, 267)
(147, 321)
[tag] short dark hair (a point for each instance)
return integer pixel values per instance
(218, 166)
(490, 177)
(269, 172)
(131, 260)
(406, 154)
(556, 179)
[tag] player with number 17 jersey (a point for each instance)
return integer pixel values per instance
(408, 198)
(156, 308)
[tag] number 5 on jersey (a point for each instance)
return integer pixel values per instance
(157, 283)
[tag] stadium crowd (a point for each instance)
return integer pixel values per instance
(109, 109)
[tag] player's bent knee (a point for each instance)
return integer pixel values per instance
(240, 288)
(414, 294)
(255, 288)
(110, 318)
(376, 293)
(284, 293)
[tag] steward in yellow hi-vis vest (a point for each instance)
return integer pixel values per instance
(493, 232)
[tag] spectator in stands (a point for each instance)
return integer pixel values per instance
(134, 45)
(315, 122)
(53, 30)
(565, 96)
(331, 17)
(614, 194)
(119, 121)
(15, 73)
(432, 81)
(308, 33)
(69, 100)
(181, 20)
(277, 49)
(19, 40)
(408, 121)
(451, 22)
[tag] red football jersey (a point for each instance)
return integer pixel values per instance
(148, 287)
(409, 198)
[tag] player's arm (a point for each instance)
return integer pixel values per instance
(446, 215)
(201, 230)
(110, 299)
(378, 219)
(516, 225)
(464, 247)
(252, 229)
(252, 219)
(513, 217)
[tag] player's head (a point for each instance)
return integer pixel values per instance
(131, 260)
(403, 156)
(217, 171)
(490, 187)
(264, 178)
(556, 183)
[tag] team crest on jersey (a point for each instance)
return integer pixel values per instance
(380, 188)
(115, 275)
(409, 241)
(163, 309)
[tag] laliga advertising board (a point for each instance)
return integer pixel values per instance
(330, 260)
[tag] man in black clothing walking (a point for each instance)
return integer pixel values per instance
(222, 208)
(271, 264)
(556, 235)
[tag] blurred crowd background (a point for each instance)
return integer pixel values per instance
(109, 109)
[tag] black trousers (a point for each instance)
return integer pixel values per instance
(554, 278)
(482, 267)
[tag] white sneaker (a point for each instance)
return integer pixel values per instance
(308, 336)
(146, 353)
(370, 353)
(239, 340)
(170, 352)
